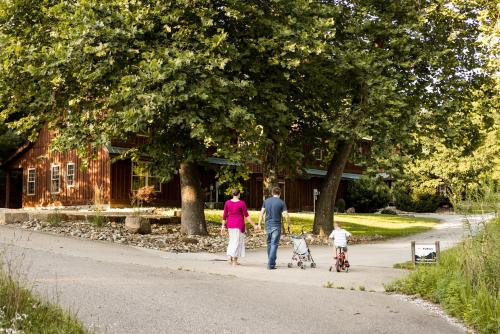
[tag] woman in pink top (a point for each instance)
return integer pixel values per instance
(235, 213)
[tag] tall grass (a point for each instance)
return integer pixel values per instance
(466, 282)
(21, 312)
(98, 219)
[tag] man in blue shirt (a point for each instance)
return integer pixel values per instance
(273, 208)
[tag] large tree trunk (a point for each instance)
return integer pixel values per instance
(269, 170)
(192, 202)
(323, 218)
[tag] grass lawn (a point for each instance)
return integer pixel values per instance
(368, 225)
(21, 312)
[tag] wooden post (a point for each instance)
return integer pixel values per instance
(413, 252)
(438, 251)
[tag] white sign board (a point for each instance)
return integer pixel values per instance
(425, 253)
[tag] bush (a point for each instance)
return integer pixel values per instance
(143, 195)
(368, 194)
(408, 198)
(466, 281)
(340, 205)
(388, 211)
(98, 220)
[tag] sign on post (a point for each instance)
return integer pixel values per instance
(315, 197)
(425, 252)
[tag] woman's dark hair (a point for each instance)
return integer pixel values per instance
(235, 192)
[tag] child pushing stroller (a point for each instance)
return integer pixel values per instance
(340, 238)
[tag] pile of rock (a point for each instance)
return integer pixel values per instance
(165, 237)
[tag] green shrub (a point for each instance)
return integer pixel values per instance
(408, 198)
(368, 194)
(340, 205)
(55, 219)
(466, 281)
(98, 220)
(387, 211)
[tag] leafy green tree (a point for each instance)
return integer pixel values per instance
(466, 163)
(398, 70)
(368, 194)
(100, 70)
(277, 42)
(414, 197)
(190, 76)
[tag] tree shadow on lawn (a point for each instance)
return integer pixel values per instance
(386, 226)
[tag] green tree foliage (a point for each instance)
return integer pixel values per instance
(189, 75)
(368, 194)
(415, 197)
(249, 80)
(466, 160)
(400, 71)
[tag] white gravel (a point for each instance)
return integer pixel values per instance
(436, 310)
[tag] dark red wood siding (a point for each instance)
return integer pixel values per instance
(87, 182)
(121, 187)
(297, 193)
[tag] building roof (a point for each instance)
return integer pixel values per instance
(223, 162)
(115, 149)
(322, 173)
(226, 162)
(17, 153)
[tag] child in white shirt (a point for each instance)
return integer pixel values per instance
(340, 237)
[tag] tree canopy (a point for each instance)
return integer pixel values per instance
(192, 76)
(252, 81)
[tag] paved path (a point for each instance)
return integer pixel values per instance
(372, 264)
(120, 289)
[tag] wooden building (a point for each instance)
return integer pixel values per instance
(36, 177)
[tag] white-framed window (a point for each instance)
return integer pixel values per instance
(142, 178)
(55, 179)
(318, 154)
(31, 185)
(70, 174)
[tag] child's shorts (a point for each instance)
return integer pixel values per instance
(344, 249)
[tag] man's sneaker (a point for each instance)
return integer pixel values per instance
(271, 267)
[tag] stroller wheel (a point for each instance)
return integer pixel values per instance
(290, 265)
(299, 264)
(303, 267)
(313, 265)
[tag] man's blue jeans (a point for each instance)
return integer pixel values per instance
(273, 241)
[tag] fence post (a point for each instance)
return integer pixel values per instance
(438, 251)
(413, 252)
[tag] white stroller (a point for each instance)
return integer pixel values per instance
(301, 252)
